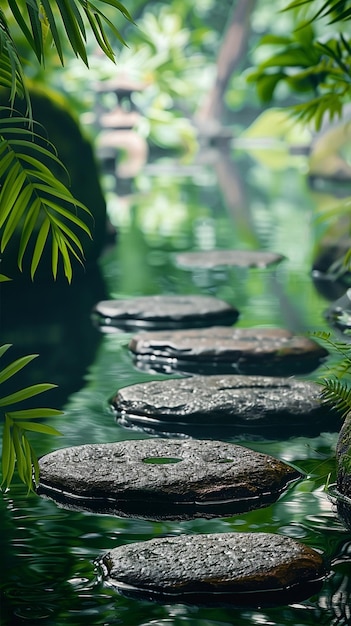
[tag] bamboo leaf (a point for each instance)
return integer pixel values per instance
(56, 191)
(58, 224)
(118, 5)
(103, 17)
(38, 428)
(39, 246)
(14, 6)
(36, 470)
(28, 457)
(33, 13)
(4, 279)
(15, 367)
(27, 392)
(27, 230)
(54, 254)
(20, 458)
(100, 36)
(38, 413)
(4, 348)
(72, 30)
(67, 266)
(6, 452)
(53, 28)
(5, 161)
(5, 205)
(296, 4)
(18, 209)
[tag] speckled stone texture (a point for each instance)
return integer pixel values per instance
(221, 258)
(259, 351)
(218, 400)
(168, 479)
(164, 312)
(243, 567)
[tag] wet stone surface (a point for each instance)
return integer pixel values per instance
(237, 568)
(163, 479)
(222, 258)
(226, 350)
(257, 404)
(163, 312)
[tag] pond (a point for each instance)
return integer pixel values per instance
(49, 571)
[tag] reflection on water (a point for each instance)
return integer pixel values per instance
(49, 572)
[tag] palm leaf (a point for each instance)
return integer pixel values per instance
(15, 445)
(15, 367)
(338, 394)
(69, 15)
(38, 428)
(25, 393)
(30, 414)
(33, 199)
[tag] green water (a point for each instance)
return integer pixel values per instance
(48, 555)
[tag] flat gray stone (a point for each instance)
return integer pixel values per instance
(238, 568)
(211, 259)
(226, 350)
(163, 479)
(258, 403)
(164, 312)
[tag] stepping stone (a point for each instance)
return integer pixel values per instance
(226, 350)
(211, 259)
(256, 404)
(164, 312)
(243, 569)
(163, 479)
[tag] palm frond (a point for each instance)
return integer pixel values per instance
(16, 449)
(34, 200)
(11, 70)
(338, 394)
(36, 17)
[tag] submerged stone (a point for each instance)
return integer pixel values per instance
(163, 479)
(256, 404)
(250, 569)
(222, 258)
(164, 312)
(226, 350)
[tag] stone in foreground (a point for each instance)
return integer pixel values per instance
(163, 479)
(164, 312)
(250, 569)
(242, 404)
(226, 350)
(212, 259)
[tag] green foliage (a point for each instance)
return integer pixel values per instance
(336, 380)
(305, 62)
(32, 198)
(58, 22)
(16, 448)
(334, 10)
(31, 195)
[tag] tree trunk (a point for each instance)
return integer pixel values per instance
(230, 54)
